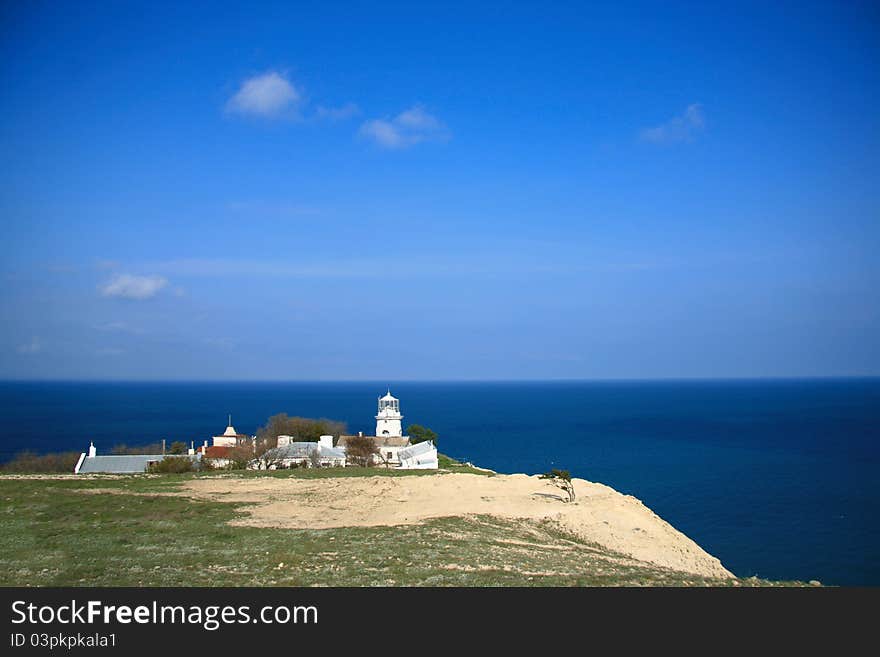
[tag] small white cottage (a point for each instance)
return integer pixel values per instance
(421, 456)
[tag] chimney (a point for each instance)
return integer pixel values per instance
(192, 447)
(163, 447)
(360, 434)
(92, 450)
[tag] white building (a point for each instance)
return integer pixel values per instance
(90, 462)
(291, 453)
(394, 449)
(230, 437)
(388, 419)
(388, 447)
(421, 456)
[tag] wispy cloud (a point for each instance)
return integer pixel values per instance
(270, 95)
(128, 286)
(34, 346)
(341, 113)
(410, 127)
(684, 127)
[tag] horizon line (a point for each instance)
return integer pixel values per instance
(384, 382)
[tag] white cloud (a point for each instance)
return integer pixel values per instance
(128, 286)
(416, 118)
(32, 347)
(340, 113)
(383, 133)
(679, 128)
(408, 128)
(267, 95)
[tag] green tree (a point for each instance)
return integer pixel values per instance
(301, 428)
(561, 479)
(177, 447)
(419, 434)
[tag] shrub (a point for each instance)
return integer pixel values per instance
(172, 464)
(561, 479)
(239, 457)
(33, 462)
(152, 448)
(360, 450)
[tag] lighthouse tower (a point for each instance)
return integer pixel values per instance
(388, 418)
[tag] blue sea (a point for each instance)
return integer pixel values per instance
(776, 478)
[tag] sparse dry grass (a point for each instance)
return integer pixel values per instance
(53, 535)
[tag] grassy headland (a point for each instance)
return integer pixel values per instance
(139, 530)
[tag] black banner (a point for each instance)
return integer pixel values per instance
(176, 621)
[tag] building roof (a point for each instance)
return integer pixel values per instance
(230, 431)
(303, 450)
(381, 441)
(332, 453)
(388, 397)
(297, 450)
(416, 450)
(218, 451)
(123, 463)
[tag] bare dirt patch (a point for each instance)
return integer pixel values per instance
(600, 515)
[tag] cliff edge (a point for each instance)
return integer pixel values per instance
(600, 515)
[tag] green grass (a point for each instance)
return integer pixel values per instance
(54, 532)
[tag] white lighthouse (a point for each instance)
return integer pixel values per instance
(388, 418)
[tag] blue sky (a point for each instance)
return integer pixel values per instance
(449, 191)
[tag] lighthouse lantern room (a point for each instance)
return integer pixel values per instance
(388, 419)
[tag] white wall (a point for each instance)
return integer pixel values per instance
(392, 426)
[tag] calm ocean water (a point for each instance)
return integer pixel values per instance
(777, 479)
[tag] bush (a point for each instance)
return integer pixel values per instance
(152, 448)
(561, 479)
(360, 450)
(172, 465)
(239, 457)
(33, 462)
(419, 434)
